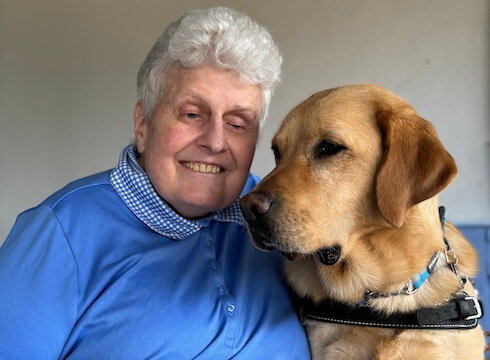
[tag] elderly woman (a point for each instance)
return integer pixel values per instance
(152, 259)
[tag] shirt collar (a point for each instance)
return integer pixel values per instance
(133, 186)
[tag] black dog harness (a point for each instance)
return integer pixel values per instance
(460, 312)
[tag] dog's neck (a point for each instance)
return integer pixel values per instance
(387, 258)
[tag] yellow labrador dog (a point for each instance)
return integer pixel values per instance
(352, 203)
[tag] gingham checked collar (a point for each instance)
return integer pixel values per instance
(133, 186)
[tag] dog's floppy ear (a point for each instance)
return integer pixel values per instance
(414, 166)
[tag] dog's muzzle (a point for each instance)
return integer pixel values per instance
(255, 206)
(256, 211)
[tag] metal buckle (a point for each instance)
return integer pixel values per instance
(477, 307)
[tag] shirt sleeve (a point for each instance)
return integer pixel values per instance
(38, 288)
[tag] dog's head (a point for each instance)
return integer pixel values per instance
(347, 159)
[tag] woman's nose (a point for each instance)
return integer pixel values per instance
(213, 136)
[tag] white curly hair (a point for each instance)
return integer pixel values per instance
(217, 36)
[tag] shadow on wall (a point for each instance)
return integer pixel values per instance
(488, 94)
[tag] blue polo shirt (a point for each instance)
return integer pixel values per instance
(104, 269)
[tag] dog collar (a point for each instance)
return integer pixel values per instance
(410, 287)
(461, 312)
(418, 280)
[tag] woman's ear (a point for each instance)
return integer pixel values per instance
(414, 165)
(140, 126)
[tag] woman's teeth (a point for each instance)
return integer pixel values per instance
(203, 168)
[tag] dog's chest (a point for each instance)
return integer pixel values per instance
(331, 341)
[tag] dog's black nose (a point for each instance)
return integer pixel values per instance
(255, 205)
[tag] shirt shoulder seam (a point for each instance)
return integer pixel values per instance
(54, 204)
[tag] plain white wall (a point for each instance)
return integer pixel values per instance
(68, 70)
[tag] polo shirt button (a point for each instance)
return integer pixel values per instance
(230, 308)
(221, 290)
(213, 264)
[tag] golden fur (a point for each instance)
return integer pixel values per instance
(376, 198)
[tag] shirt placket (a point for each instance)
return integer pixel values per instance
(227, 301)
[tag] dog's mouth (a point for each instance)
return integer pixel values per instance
(265, 240)
(329, 255)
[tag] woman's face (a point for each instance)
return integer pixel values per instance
(198, 148)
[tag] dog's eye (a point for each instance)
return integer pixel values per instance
(328, 148)
(277, 153)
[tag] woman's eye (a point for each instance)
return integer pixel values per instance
(191, 115)
(236, 126)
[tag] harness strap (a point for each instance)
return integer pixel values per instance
(461, 312)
